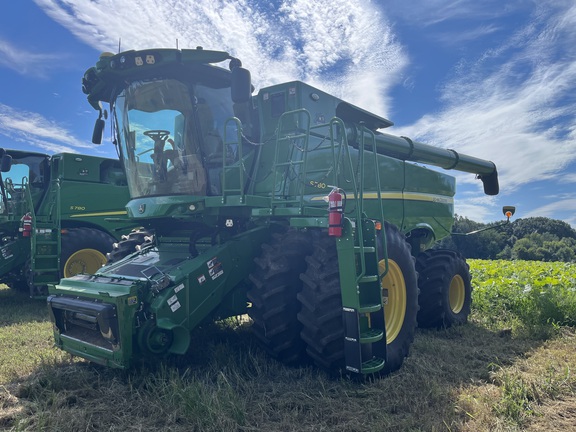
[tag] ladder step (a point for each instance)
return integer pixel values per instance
(46, 279)
(290, 163)
(368, 279)
(371, 335)
(374, 365)
(369, 308)
(365, 249)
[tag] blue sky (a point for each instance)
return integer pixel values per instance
(491, 79)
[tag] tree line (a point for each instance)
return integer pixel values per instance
(532, 239)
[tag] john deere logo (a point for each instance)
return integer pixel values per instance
(142, 208)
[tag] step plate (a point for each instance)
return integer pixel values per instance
(352, 350)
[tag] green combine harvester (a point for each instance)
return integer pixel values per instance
(54, 216)
(289, 205)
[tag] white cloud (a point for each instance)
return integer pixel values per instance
(476, 207)
(26, 62)
(440, 13)
(568, 178)
(345, 48)
(32, 128)
(565, 206)
(515, 104)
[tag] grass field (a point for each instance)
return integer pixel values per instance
(509, 369)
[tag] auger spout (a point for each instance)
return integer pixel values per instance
(404, 148)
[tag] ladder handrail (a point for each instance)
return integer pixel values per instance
(372, 145)
(225, 166)
(340, 159)
(305, 134)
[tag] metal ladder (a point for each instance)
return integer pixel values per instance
(364, 324)
(45, 243)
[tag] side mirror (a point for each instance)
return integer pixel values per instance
(6, 163)
(508, 211)
(98, 131)
(241, 85)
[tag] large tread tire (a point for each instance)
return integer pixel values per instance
(22, 280)
(84, 251)
(129, 244)
(321, 313)
(321, 307)
(275, 285)
(445, 289)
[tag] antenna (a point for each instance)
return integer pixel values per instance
(119, 44)
(177, 43)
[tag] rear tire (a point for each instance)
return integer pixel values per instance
(445, 289)
(321, 313)
(84, 251)
(275, 285)
(22, 280)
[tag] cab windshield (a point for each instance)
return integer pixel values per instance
(27, 172)
(171, 137)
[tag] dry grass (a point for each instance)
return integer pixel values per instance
(469, 378)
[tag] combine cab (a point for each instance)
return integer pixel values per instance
(290, 205)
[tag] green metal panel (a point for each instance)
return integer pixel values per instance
(196, 289)
(428, 199)
(121, 294)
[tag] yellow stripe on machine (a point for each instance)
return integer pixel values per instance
(412, 196)
(113, 213)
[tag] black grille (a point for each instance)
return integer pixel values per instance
(88, 321)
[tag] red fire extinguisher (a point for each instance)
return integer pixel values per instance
(26, 225)
(335, 211)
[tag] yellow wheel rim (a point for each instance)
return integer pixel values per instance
(84, 261)
(394, 286)
(457, 294)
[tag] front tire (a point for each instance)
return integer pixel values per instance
(321, 313)
(275, 285)
(445, 289)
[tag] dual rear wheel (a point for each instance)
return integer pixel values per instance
(297, 307)
(445, 289)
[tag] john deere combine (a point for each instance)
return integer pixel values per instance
(54, 216)
(290, 205)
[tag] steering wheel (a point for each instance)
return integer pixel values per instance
(157, 134)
